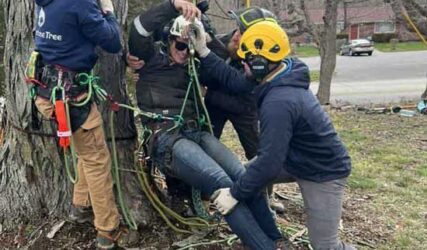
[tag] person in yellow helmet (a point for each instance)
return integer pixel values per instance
(298, 142)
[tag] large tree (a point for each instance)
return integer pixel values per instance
(33, 183)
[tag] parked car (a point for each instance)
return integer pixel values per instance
(357, 47)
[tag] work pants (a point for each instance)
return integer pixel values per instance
(323, 205)
(95, 185)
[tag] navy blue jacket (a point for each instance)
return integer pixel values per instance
(67, 32)
(220, 97)
(296, 133)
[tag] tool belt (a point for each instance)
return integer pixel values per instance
(44, 78)
(70, 81)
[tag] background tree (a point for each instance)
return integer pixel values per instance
(325, 37)
(418, 14)
(33, 183)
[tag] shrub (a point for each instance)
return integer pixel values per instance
(383, 37)
(342, 36)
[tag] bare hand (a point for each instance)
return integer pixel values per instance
(134, 62)
(187, 9)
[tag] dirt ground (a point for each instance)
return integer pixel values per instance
(365, 222)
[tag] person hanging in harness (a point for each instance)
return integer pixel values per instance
(66, 35)
(297, 139)
(188, 152)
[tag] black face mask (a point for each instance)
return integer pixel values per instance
(258, 66)
(181, 46)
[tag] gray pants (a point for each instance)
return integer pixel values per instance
(323, 205)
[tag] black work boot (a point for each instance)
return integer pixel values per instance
(107, 240)
(81, 214)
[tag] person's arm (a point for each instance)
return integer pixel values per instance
(277, 123)
(215, 67)
(141, 42)
(233, 79)
(101, 30)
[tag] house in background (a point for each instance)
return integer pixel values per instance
(376, 22)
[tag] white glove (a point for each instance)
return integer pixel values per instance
(224, 201)
(106, 6)
(198, 39)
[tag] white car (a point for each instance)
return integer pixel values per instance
(357, 47)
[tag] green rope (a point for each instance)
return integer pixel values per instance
(230, 241)
(74, 179)
(202, 120)
(116, 176)
(92, 84)
(199, 92)
(200, 209)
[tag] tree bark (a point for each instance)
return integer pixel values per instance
(33, 182)
(327, 51)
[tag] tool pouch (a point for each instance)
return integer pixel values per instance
(34, 65)
(33, 74)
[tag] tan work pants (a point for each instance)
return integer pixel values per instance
(95, 185)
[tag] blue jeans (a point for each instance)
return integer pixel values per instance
(200, 160)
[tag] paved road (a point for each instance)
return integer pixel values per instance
(380, 78)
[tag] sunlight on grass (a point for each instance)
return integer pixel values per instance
(306, 51)
(422, 171)
(389, 162)
(403, 46)
(314, 75)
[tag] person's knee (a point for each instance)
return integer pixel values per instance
(183, 147)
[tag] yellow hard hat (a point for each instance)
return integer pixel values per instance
(266, 39)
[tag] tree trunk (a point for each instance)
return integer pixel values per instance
(327, 51)
(33, 182)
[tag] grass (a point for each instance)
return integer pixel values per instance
(389, 161)
(385, 204)
(314, 75)
(306, 51)
(403, 46)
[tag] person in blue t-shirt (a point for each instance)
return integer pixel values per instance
(66, 36)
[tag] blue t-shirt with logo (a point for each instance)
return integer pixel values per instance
(67, 32)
